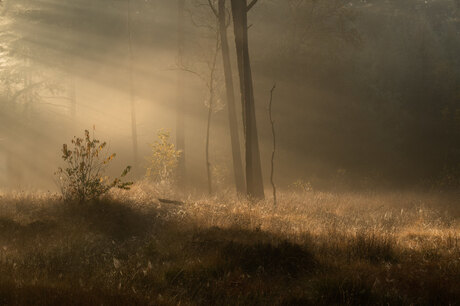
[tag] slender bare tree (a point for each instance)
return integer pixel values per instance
(180, 113)
(210, 78)
(212, 96)
(272, 123)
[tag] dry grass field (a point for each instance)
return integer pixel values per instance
(314, 248)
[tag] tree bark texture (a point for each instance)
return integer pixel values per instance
(230, 91)
(254, 180)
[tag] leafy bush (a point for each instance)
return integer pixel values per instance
(82, 179)
(164, 159)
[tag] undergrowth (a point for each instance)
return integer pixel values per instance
(314, 249)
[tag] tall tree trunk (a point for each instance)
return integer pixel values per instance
(272, 122)
(211, 105)
(254, 181)
(234, 135)
(131, 87)
(180, 116)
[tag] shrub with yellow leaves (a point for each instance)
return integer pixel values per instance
(164, 159)
(82, 179)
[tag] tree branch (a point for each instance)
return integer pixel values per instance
(24, 90)
(214, 10)
(250, 5)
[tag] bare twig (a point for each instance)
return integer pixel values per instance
(188, 70)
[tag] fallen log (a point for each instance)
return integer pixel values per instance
(171, 201)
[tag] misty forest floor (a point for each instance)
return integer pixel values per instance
(315, 248)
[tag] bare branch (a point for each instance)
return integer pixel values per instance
(250, 5)
(25, 90)
(213, 8)
(188, 70)
(198, 24)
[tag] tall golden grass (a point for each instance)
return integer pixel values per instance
(313, 248)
